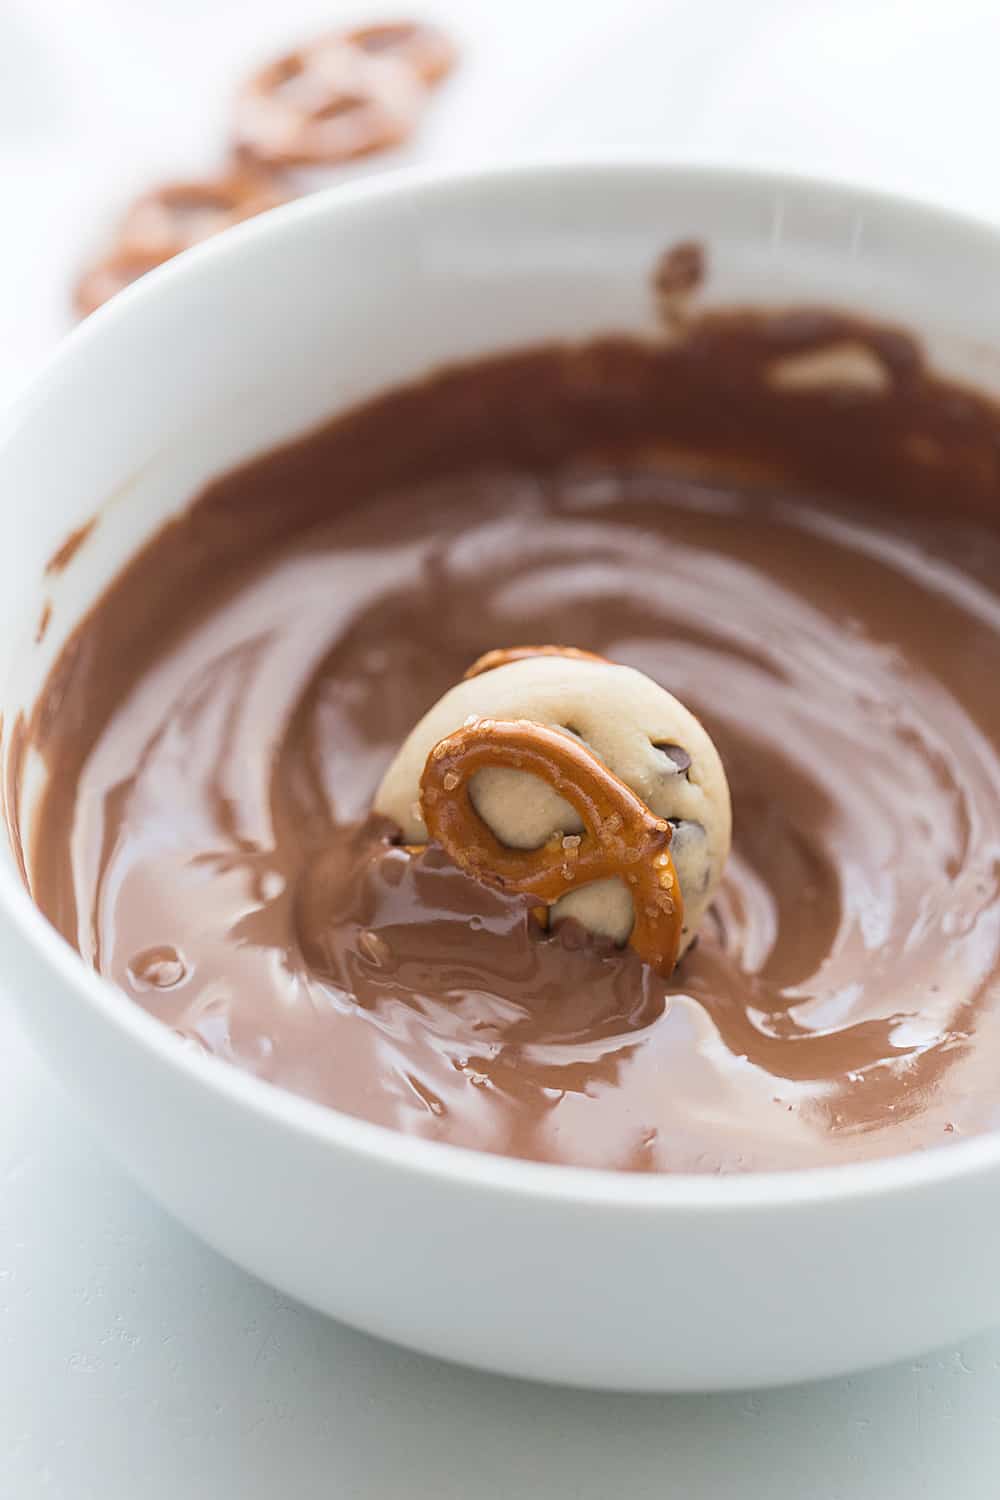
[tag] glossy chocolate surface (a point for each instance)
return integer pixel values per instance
(812, 569)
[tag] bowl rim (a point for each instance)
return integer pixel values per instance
(475, 1171)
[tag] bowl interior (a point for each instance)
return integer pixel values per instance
(253, 339)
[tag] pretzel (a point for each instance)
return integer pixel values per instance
(162, 223)
(180, 214)
(621, 838)
(425, 49)
(326, 103)
(504, 655)
(108, 276)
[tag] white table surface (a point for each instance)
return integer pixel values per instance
(133, 1361)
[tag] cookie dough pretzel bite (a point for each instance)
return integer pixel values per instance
(610, 783)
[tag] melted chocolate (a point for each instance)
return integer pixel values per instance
(65, 553)
(217, 726)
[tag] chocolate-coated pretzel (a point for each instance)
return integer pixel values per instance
(621, 839)
(326, 103)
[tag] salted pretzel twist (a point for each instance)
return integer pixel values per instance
(621, 838)
(169, 219)
(326, 103)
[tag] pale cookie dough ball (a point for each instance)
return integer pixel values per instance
(640, 732)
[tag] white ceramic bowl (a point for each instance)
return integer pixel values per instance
(559, 1273)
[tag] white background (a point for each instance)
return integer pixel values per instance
(133, 1362)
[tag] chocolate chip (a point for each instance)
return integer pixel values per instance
(674, 753)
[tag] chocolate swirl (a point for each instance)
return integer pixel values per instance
(204, 841)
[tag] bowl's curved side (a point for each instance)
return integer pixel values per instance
(587, 1277)
(631, 1296)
